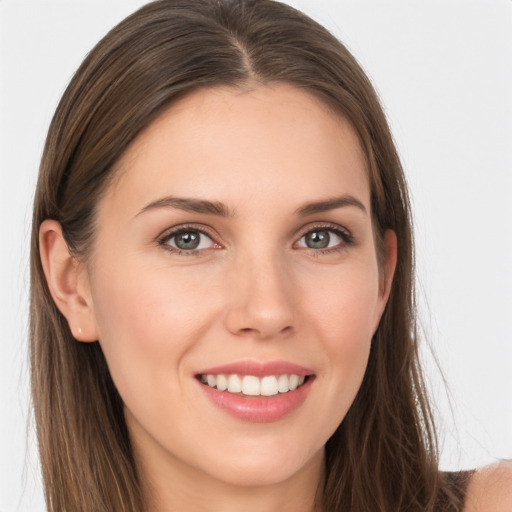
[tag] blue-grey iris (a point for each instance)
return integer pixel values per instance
(317, 239)
(188, 240)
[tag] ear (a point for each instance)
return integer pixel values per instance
(68, 281)
(387, 272)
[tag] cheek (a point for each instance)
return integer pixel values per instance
(345, 306)
(147, 323)
(344, 317)
(144, 303)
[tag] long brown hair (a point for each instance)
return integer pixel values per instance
(383, 455)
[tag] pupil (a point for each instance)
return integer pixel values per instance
(188, 240)
(317, 239)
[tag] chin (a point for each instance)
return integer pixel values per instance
(267, 469)
(257, 476)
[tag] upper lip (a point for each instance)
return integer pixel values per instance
(258, 369)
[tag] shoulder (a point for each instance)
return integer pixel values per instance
(490, 489)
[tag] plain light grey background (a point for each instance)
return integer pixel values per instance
(443, 69)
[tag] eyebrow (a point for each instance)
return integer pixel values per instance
(190, 205)
(220, 209)
(330, 204)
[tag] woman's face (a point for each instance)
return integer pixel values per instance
(237, 243)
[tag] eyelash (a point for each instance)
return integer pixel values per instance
(166, 237)
(347, 238)
(345, 235)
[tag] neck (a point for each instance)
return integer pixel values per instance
(177, 486)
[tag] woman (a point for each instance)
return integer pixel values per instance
(222, 291)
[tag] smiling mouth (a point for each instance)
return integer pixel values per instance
(250, 385)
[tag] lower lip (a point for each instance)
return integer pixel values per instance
(259, 409)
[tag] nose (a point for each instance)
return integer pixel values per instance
(260, 301)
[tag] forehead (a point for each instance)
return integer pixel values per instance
(230, 141)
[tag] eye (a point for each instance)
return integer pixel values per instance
(188, 240)
(322, 238)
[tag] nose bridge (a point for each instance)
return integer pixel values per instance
(260, 289)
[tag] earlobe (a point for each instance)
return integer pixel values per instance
(67, 281)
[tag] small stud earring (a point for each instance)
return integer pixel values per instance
(79, 330)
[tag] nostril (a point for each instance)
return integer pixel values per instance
(266, 332)
(263, 320)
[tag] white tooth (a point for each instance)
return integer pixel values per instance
(212, 380)
(301, 381)
(251, 385)
(294, 382)
(283, 384)
(222, 382)
(269, 386)
(234, 384)
(204, 380)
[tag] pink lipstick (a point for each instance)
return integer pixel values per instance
(257, 392)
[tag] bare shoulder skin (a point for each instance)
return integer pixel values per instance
(490, 489)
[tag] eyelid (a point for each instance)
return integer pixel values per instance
(169, 233)
(342, 232)
(323, 225)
